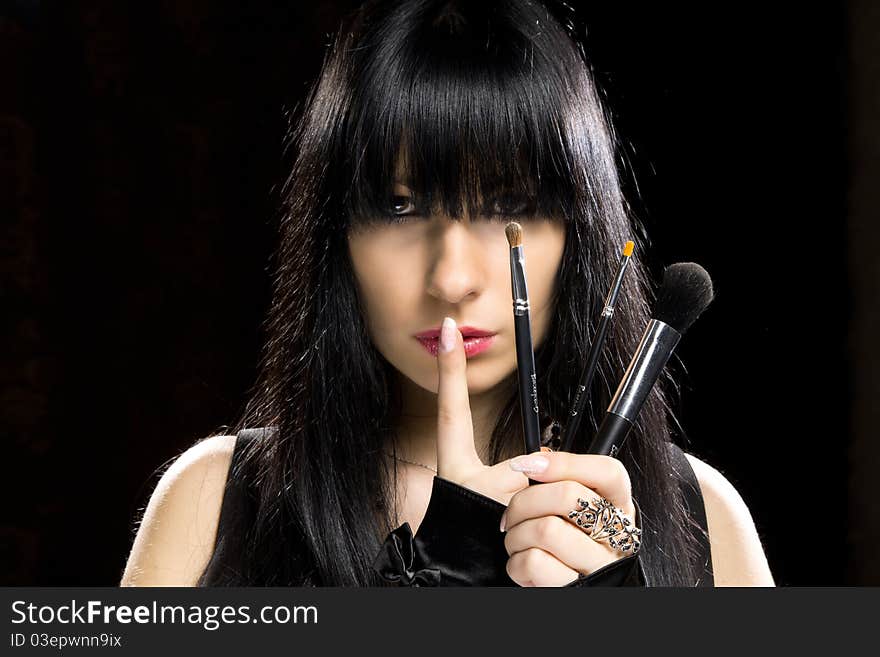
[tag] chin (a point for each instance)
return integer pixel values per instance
(479, 379)
(484, 380)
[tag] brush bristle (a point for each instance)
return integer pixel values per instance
(514, 234)
(686, 292)
(628, 249)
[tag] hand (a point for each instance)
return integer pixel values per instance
(546, 547)
(457, 458)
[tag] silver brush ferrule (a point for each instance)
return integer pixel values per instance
(518, 281)
(611, 299)
(657, 344)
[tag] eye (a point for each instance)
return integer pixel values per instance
(400, 207)
(507, 205)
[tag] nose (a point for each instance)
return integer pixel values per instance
(456, 272)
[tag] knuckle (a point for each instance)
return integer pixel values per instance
(445, 415)
(507, 542)
(547, 529)
(532, 560)
(513, 567)
(569, 493)
(513, 507)
(619, 475)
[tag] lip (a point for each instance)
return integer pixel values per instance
(466, 332)
(476, 341)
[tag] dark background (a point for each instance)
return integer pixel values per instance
(140, 153)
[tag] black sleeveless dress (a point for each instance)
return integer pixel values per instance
(239, 507)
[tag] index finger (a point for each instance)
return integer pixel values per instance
(456, 453)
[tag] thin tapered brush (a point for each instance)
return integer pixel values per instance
(575, 413)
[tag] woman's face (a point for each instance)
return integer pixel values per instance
(410, 275)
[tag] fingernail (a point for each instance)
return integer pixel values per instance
(447, 335)
(529, 463)
(503, 520)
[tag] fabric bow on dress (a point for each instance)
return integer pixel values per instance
(402, 560)
(459, 544)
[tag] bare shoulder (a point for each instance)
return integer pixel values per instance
(738, 557)
(176, 535)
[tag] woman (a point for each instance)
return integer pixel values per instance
(432, 125)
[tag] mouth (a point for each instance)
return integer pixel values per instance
(476, 341)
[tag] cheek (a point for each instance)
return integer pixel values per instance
(384, 293)
(543, 266)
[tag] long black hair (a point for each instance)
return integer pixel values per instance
(480, 97)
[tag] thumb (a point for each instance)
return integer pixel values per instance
(456, 453)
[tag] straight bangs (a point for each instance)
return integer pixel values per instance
(465, 109)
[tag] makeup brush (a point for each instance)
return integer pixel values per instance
(525, 356)
(686, 292)
(575, 413)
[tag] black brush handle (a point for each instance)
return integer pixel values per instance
(576, 411)
(528, 386)
(611, 435)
